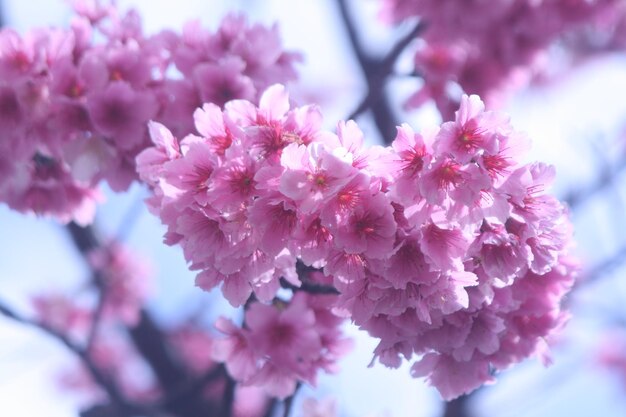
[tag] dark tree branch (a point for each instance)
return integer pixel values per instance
(309, 287)
(363, 59)
(459, 407)
(120, 404)
(271, 408)
(150, 342)
(147, 337)
(83, 238)
(376, 73)
(97, 315)
(171, 373)
(381, 70)
(289, 401)
(229, 398)
(86, 240)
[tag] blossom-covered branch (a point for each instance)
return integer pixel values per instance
(441, 245)
(120, 403)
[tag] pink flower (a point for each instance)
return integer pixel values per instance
(233, 183)
(411, 152)
(11, 112)
(120, 113)
(286, 337)
(166, 147)
(282, 344)
(219, 83)
(209, 122)
(408, 264)
(444, 248)
(46, 187)
(473, 131)
(276, 220)
(312, 175)
(370, 229)
(60, 313)
(83, 96)
(234, 350)
(18, 54)
(192, 173)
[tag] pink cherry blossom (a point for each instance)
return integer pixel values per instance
(443, 246)
(282, 344)
(489, 48)
(82, 97)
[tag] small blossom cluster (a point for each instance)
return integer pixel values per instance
(74, 103)
(124, 281)
(486, 47)
(441, 245)
(282, 344)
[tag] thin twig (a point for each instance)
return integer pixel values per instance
(602, 268)
(99, 312)
(289, 401)
(86, 241)
(606, 179)
(84, 238)
(459, 407)
(228, 398)
(384, 68)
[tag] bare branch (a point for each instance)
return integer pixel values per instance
(376, 73)
(384, 68)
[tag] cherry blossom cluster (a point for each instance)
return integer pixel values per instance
(487, 47)
(442, 245)
(282, 344)
(74, 103)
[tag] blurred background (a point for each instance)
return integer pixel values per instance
(576, 122)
